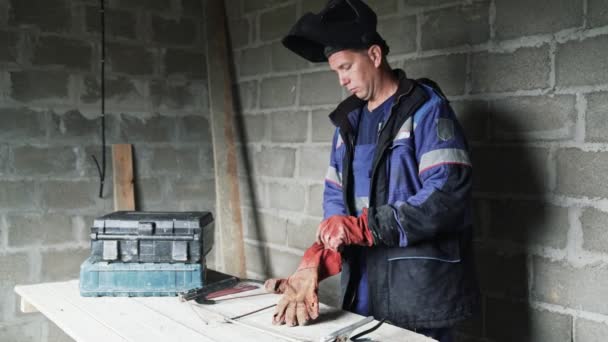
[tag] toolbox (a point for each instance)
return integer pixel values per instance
(157, 237)
(117, 279)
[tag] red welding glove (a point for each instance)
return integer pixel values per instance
(300, 301)
(337, 231)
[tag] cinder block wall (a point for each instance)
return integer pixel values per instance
(157, 100)
(529, 80)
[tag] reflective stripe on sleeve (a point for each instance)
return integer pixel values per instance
(333, 176)
(443, 156)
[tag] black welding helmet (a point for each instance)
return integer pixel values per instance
(342, 24)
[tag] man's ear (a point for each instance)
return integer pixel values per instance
(375, 54)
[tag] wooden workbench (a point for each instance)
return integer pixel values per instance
(151, 319)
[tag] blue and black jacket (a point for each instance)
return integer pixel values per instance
(420, 270)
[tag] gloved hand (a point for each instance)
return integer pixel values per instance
(338, 230)
(300, 301)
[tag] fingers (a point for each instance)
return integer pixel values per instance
(312, 306)
(290, 314)
(302, 313)
(279, 312)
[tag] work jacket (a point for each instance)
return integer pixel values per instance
(420, 269)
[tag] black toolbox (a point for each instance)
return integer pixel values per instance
(158, 237)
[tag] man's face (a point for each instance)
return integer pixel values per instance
(355, 71)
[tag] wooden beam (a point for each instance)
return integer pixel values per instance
(122, 167)
(228, 220)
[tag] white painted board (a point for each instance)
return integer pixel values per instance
(151, 319)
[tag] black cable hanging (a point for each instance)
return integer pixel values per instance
(102, 170)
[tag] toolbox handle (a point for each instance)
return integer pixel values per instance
(145, 228)
(96, 236)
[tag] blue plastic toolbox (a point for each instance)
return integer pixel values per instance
(116, 279)
(144, 236)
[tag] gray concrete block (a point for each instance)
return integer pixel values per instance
(18, 195)
(130, 59)
(22, 331)
(534, 118)
(170, 160)
(119, 23)
(322, 129)
(240, 31)
(590, 331)
(274, 161)
(399, 33)
(290, 196)
(314, 6)
(502, 274)
(39, 85)
(278, 91)
(596, 125)
(205, 157)
(284, 59)
(249, 6)
(511, 170)
(188, 63)
(411, 5)
(22, 123)
(314, 162)
(516, 321)
(450, 72)
(455, 26)
(37, 229)
(192, 7)
(256, 259)
(149, 193)
(234, 9)
(521, 18)
(574, 165)
(266, 227)
(255, 127)
(594, 230)
(289, 127)
(74, 54)
(282, 264)
(173, 32)
(69, 195)
(14, 269)
(52, 15)
(156, 5)
(597, 13)
(62, 265)
(276, 23)
(529, 223)
(580, 63)
(315, 200)
(255, 61)
(151, 129)
(73, 125)
(169, 96)
(253, 192)
(319, 88)
(578, 288)
(195, 189)
(301, 234)
(120, 92)
(44, 161)
(248, 95)
(4, 162)
(384, 7)
(523, 69)
(9, 42)
(474, 117)
(193, 128)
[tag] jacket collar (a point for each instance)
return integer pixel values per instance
(339, 117)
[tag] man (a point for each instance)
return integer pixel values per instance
(397, 199)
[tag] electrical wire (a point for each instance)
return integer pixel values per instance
(102, 169)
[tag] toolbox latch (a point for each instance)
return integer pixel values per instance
(110, 250)
(145, 228)
(180, 251)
